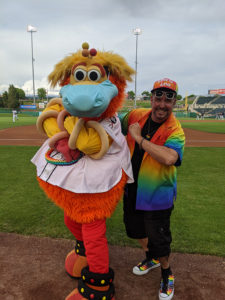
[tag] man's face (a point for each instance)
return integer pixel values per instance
(163, 101)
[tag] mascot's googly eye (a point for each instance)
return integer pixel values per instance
(80, 74)
(94, 75)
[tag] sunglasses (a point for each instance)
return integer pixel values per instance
(169, 95)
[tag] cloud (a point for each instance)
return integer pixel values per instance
(181, 39)
(43, 83)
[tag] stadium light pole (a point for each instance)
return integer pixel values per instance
(32, 29)
(137, 32)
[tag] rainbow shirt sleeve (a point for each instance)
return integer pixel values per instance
(128, 118)
(123, 117)
(176, 142)
(157, 183)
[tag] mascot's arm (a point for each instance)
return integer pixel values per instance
(88, 140)
(50, 124)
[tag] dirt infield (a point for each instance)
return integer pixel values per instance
(21, 136)
(32, 268)
(28, 136)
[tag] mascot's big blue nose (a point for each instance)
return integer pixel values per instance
(88, 100)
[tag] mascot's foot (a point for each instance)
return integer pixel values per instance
(74, 264)
(94, 286)
(75, 295)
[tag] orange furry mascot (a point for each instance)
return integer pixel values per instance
(85, 162)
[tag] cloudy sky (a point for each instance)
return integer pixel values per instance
(181, 39)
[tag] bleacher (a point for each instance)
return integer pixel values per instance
(209, 106)
(219, 100)
(203, 110)
(203, 100)
(217, 110)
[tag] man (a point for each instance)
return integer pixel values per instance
(156, 141)
(14, 112)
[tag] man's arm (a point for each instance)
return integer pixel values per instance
(123, 117)
(162, 154)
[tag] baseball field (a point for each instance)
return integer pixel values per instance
(34, 240)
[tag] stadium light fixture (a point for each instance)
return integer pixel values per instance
(32, 29)
(136, 32)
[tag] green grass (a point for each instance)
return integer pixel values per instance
(198, 222)
(23, 207)
(139, 104)
(6, 120)
(214, 127)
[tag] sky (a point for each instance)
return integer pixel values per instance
(183, 40)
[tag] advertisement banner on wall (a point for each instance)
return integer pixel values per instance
(41, 105)
(28, 106)
(216, 92)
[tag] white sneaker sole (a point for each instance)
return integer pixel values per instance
(165, 297)
(137, 271)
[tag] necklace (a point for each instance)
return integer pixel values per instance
(152, 127)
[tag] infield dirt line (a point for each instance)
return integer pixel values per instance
(21, 139)
(206, 141)
(28, 135)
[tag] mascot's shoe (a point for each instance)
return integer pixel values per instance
(76, 261)
(94, 286)
(75, 295)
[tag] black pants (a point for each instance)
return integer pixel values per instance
(154, 225)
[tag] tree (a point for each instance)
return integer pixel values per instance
(191, 96)
(179, 97)
(146, 95)
(131, 95)
(41, 93)
(21, 93)
(1, 101)
(5, 99)
(13, 97)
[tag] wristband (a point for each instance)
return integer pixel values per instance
(141, 142)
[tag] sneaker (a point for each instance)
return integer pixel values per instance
(145, 266)
(166, 291)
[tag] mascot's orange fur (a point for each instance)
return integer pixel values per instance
(85, 163)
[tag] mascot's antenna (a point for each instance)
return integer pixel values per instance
(86, 52)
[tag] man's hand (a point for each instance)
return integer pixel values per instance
(62, 146)
(162, 154)
(135, 132)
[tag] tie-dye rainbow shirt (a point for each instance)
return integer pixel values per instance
(157, 183)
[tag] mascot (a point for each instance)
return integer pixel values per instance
(84, 164)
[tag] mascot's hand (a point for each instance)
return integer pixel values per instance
(62, 146)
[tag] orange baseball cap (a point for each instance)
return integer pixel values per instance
(165, 83)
